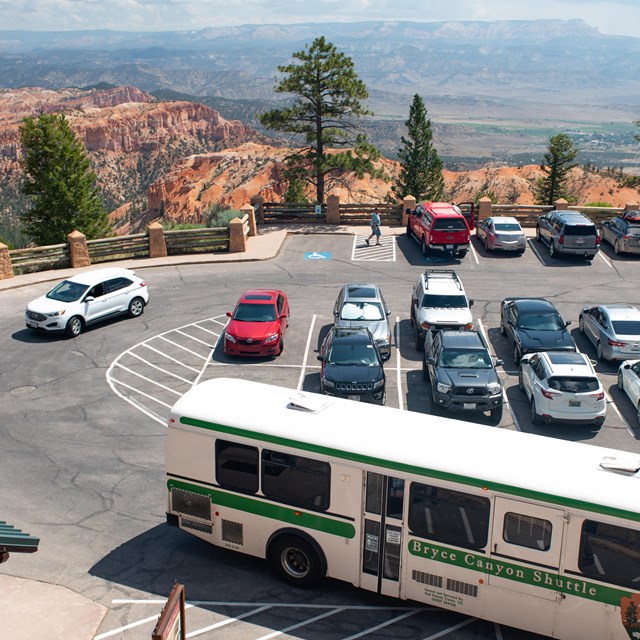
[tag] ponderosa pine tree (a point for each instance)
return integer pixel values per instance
(60, 182)
(327, 104)
(421, 167)
(558, 161)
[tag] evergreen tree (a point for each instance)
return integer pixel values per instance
(328, 95)
(558, 161)
(60, 182)
(421, 167)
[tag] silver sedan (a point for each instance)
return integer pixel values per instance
(614, 330)
(501, 233)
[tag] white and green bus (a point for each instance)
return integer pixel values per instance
(523, 530)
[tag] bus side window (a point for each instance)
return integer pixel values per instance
(237, 466)
(610, 553)
(527, 531)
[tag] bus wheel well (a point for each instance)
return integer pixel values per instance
(296, 557)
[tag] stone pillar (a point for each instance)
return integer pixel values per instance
(631, 206)
(258, 208)
(157, 243)
(561, 204)
(6, 270)
(78, 251)
(333, 210)
(237, 241)
(248, 210)
(408, 202)
(484, 208)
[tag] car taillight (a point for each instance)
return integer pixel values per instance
(143, 284)
(468, 326)
(597, 240)
(598, 396)
(615, 343)
(550, 394)
(561, 241)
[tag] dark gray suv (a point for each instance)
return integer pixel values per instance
(568, 233)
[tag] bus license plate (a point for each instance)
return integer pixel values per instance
(356, 398)
(469, 405)
(574, 403)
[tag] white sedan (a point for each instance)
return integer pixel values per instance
(629, 382)
(562, 387)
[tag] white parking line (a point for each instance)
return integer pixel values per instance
(154, 366)
(165, 355)
(473, 251)
(175, 344)
(533, 248)
(304, 623)
(398, 367)
(366, 632)
(446, 632)
(606, 260)
(306, 353)
(224, 623)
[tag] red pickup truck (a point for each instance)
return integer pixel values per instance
(439, 227)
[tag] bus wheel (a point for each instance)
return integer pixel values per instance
(295, 561)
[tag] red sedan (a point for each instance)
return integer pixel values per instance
(257, 324)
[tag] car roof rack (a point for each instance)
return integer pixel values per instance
(441, 273)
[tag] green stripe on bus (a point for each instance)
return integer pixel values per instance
(269, 510)
(517, 573)
(420, 471)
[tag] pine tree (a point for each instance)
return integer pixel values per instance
(558, 161)
(328, 95)
(60, 182)
(421, 167)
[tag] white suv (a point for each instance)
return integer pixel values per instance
(562, 386)
(438, 301)
(88, 297)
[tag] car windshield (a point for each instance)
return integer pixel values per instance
(67, 291)
(573, 385)
(626, 327)
(540, 322)
(352, 354)
(450, 224)
(255, 312)
(465, 359)
(507, 226)
(440, 301)
(361, 311)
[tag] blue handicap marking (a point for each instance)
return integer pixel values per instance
(317, 255)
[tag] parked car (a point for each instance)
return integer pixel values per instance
(623, 232)
(534, 324)
(629, 382)
(363, 305)
(439, 301)
(462, 373)
(439, 227)
(498, 233)
(87, 298)
(568, 233)
(614, 330)
(258, 324)
(562, 387)
(352, 366)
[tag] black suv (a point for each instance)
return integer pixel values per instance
(534, 324)
(462, 373)
(352, 365)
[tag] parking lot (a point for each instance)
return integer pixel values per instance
(85, 422)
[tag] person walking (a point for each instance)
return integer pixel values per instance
(375, 227)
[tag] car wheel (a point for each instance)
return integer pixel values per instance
(486, 244)
(581, 324)
(616, 248)
(425, 370)
(590, 257)
(517, 356)
(425, 249)
(281, 346)
(552, 251)
(638, 413)
(503, 330)
(538, 238)
(496, 414)
(599, 353)
(74, 327)
(535, 416)
(408, 230)
(295, 561)
(136, 308)
(620, 381)
(520, 379)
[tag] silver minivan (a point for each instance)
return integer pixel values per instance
(568, 233)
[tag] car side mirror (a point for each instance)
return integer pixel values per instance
(567, 323)
(471, 303)
(388, 313)
(499, 362)
(430, 361)
(627, 366)
(229, 314)
(321, 358)
(89, 299)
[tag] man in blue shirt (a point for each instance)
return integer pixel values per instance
(375, 227)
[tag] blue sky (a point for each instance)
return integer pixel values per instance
(616, 17)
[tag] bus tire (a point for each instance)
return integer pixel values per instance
(296, 561)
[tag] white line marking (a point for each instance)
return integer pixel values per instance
(154, 366)
(213, 333)
(606, 260)
(530, 241)
(300, 624)
(175, 344)
(306, 353)
(164, 355)
(446, 632)
(186, 335)
(366, 632)
(136, 390)
(113, 632)
(473, 251)
(498, 631)
(208, 361)
(139, 375)
(223, 623)
(398, 369)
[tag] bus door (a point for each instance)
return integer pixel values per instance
(382, 534)
(525, 561)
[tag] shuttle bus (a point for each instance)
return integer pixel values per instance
(523, 530)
